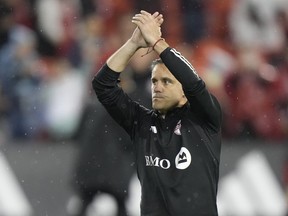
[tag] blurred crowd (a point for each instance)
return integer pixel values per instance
(50, 49)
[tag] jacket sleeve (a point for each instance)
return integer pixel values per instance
(123, 110)
(204, 104)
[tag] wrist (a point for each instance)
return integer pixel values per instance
(157, 41)
(160, 45)
(132, 45)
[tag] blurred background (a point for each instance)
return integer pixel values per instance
(54, 135)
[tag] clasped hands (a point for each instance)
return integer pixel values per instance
(148, 30)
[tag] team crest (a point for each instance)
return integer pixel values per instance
(177, 129)
(153, 129)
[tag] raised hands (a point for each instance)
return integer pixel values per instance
(146, 33)
(148, 28)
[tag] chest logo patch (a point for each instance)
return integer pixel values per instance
(153, 129)
(183, 159)
(177, 129)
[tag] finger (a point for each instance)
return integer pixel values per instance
(137, 15)
(148, 18)
(144, 12)
(156, 14)
(159, 20)
(136, 22)
(160, 16)
(138, 18)
(147, 15)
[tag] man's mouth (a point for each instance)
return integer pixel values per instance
(157, 97)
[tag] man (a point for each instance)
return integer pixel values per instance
(178, 142)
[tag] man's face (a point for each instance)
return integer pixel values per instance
(167, 92)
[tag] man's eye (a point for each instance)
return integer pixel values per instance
(167, 82)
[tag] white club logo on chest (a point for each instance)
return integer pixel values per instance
(183, 159)
(177, 129)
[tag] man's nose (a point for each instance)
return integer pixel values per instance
(158, 87)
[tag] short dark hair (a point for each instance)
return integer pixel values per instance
(156, 62)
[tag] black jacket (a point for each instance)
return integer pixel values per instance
(177, 157)
(105, 161)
